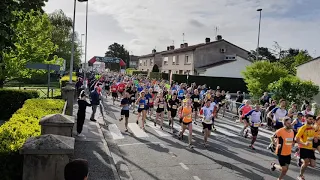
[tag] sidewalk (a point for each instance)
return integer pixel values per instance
(94, 148)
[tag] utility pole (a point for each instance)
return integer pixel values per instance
(259, 10)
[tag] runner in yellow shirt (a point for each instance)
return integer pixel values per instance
(305, 138)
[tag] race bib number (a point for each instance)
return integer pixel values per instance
(207, 119)
(196, 100)
(174, 107)
(256, 124)
(150, 101)
(141, 106)
(310, 139)
(295, 116)
(161, 106)
(189, 116)
(132, 98)
(289, 141)
(114, 89)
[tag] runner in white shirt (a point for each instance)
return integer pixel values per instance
(207, 114)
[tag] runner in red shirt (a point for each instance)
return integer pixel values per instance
(114, 91)
(121, 88)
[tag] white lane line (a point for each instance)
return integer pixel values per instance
(238, 130)
(160, 132)
(137, 131)
(133, 144)
(115, 132)
(196, 178)
(220, 130)
(184, 166)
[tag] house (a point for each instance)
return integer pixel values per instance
(309, 71)
(217, 58)
(146, 62)
(133, 61)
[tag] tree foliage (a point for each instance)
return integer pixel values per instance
(295, 58)
(32, 43)
(293, 89)
(62, 37)
(264, 54)
(260, 74)
(119, 51)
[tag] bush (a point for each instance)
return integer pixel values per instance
(66, 78)
(293, 89)
(22, 125)
(13, 99)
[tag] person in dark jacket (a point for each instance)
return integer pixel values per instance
(81, 115)
(95, 102)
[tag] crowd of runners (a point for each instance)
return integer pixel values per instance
(296, 130)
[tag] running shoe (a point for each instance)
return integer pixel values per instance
(137, 122)
(120, 119)
(169, 122)
(190, 146)
(300, 178)
(214, 129)
(126, 130)
(251, 147)
(272, 168)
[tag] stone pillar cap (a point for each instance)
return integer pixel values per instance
(57, 120)
(48, 144)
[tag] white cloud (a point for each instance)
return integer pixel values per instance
(144, 24)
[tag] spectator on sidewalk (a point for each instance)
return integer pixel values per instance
(239, 100)
(76, 170)
(81, 115)
(95, 102)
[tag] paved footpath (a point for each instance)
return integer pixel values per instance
(159, 155)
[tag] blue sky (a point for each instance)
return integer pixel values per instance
(142, 25)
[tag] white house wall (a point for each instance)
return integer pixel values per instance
(232, 69)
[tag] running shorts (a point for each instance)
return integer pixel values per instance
(114, 94)
(254, 131)
(160, 110)
(125, 113)
(307, 154)
(207, 126)
(284, 160)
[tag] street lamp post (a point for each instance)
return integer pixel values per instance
(86, 46)
(72, 43)
(259, 10)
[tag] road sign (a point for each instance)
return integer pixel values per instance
(43, 66)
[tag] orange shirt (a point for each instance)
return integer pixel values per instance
(285, 140)
(185, 111)
(245, 110)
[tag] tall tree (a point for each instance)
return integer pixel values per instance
(62, 37)
(119, 51)
(294, 58)
(32, 41)
(264, 54)
(260, 74)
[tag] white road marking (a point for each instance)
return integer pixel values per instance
(137, 131)
(220, 130)
(196, 178)
(133, 144)
(162, 145)
(184, 166)
(115, 132)
(160, 132)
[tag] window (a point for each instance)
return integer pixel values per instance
(180, 71)
(151, 62)
(144, 63)
(177, 72)
(173, 60)
(186, 60)
(177, 60)
(165, 61)
(223, 50)
(140, 63)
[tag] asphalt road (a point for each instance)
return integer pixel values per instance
(159, 155)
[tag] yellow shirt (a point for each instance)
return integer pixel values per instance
(317, 131)
(306, 133)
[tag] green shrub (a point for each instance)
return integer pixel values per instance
(66, 79)
(13, 99)
(23, 124)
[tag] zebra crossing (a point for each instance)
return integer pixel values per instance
(223, 127)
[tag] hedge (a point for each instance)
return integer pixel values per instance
(13, 99)
(66, 79)
(23, 124)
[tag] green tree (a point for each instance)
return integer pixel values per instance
(260, 74)
(62, 37)
(293, 89)
(264, 54)
(32, 41)
(295, 58)
(119, 51)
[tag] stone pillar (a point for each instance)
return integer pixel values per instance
(46, 156)
(69, 93)
(57, 124)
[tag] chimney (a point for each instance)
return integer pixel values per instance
(171, 47)
(181, 45)
(168, 48)
(219, 37)
(185, 44)
(207, 40)
(154, 51)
